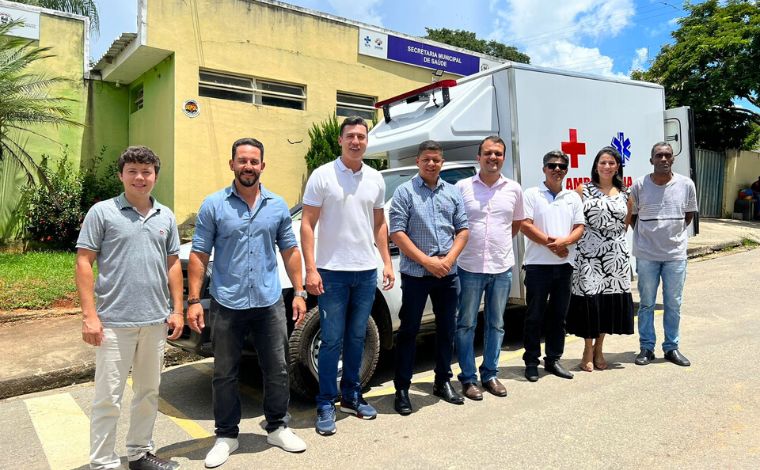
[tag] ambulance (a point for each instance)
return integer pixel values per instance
(536, 110)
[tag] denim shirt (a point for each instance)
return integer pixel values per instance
(431, 218)
(243, 240)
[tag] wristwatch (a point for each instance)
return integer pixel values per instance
(193, 301)
(301, 293)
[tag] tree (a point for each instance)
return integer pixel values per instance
(79, 7)
(713, 63)
(468, 40)
(25, 102)
(324, 145)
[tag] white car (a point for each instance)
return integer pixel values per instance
(303, 357)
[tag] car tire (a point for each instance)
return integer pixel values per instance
(304, 350)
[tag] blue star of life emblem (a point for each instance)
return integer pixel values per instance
(623, 145)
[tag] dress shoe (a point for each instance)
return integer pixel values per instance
(677, 358)
(494, 387)
(472, 391)
(401, 403)
(447, 393)
(644, 357)
(557, 369)
(531, 373)
(152, 462)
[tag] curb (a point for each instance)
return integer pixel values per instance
(72, 375)
(698, 252)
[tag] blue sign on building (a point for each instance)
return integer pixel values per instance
(425, 55)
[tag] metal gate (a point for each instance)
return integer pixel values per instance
(710, 172)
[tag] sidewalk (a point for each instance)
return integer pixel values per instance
(44, 350)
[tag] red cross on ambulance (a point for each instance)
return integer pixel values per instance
(574, 148)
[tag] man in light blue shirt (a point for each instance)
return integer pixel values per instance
(429, 225)
(243, 224)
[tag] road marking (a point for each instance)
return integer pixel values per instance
(62, 428)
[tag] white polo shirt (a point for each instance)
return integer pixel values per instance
(346, 240)
(555, 216)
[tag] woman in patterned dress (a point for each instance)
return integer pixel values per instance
(601, 301)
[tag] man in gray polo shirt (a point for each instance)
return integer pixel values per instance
(664, 204)
(136, 244)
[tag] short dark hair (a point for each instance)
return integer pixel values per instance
(492, 138)
(139, 154)
(429, 145)
(353, 121)
(247, 141)
(661, 144)
(556, 154)
(617, 180)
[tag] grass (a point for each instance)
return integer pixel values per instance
(37, 280)
(749, 243)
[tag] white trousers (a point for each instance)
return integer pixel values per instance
(142, 350)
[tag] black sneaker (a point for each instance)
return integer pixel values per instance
(151, 462)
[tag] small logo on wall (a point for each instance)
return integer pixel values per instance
(191, 108)
(367, 40)
(5, 18)
(378, 42)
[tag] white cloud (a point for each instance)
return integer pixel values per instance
(555, 36)
(366, 12)
(640, 59)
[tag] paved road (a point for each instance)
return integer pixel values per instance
(658, 416)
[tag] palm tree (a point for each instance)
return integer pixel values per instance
(80, 7)
(25, 101)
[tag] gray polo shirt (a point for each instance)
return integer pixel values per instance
(132, 287)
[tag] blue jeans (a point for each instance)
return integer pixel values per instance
(673, 274)
(443, 294)
(496, 288)
(344, 310)
(270, 338)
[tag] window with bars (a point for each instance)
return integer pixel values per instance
(251, 90)
(349, 104)
(137, 100)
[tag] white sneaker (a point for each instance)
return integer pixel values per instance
(283, 437)
(221, 451)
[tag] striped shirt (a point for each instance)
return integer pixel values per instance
(431, 218)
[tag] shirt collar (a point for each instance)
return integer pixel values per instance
(342, 167)
(122, 203)
(502, 180)
(542, 186)
(417, 179)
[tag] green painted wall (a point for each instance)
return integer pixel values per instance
(107, 123)
(153, 125)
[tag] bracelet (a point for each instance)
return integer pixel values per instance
(193, 301)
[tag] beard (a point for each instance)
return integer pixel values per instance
(247, 179)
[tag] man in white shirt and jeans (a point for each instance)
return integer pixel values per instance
(553, 224)
(664, 204)
(494, 206)
(348, 198)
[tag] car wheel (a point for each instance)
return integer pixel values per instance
(303, 357)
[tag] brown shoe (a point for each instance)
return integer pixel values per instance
(472, 391)
(495, 387)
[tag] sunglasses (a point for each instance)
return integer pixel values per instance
(554, 166)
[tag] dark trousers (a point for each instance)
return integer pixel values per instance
(443, 294)
(270, 337)
(542, 282)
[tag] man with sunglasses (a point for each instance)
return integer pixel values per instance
(494, 206)
(553, 224)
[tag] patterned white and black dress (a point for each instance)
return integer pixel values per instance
(601, 299)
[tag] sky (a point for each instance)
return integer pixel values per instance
(604, 37)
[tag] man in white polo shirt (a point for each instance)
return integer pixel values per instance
(553, 223)
(347, 197)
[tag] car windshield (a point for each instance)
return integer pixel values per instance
(394, 179)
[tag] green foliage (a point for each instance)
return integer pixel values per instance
(468, 40)
(712, 63)
(25, 102)
(86, 8)
(324, 145)
(36, 280)
(53, 212)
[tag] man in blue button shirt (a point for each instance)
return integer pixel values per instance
(242, 224)
(429, 225)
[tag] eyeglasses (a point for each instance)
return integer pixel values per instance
(554, 166)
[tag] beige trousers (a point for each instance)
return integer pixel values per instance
(142, 350)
